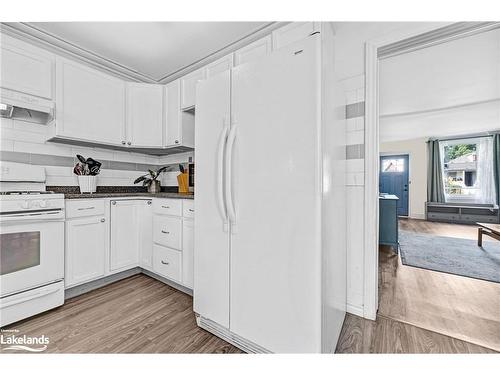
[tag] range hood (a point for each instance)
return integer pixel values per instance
(24, 107)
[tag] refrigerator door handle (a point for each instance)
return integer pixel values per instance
(220, 171)
(229, 185)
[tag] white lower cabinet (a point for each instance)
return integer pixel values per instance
(105, 236)
(187, 252)
(125, 244)
(86, 249)
(145, 215)
(167, 262)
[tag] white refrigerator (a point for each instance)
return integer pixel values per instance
(269, 266)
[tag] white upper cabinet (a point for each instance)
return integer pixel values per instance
(173, 115)
(188, 87)
(218, 66)
(144, 115)
(253, 51)
(179, 125)
(293, 32)
(25, 68)
(90, 104)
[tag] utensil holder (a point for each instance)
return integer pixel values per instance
(182, 181)
(87, 184)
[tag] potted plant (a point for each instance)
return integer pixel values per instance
(87, 171)
(151, 180)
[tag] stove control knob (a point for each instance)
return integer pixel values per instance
(25, 204)
(43, 204)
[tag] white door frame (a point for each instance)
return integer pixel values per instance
(370, 286)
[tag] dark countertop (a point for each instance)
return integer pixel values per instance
(125, 195)
(73, 192)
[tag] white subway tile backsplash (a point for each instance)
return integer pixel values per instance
(6, 145)
(21, 135)
(42, 148)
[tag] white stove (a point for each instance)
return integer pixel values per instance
(31, 245)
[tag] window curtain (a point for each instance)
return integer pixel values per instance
(496, 165)
(435, 185)
(485, 173)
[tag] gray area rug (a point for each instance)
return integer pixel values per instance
(457, 256)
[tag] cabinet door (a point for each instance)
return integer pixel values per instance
(144, 115)
(293, 32)
(219, 66)
(253, 51)
(26, 68)
(86, 243)
(90, 104)
(145, 216)
(125, 242)
(173, 119)
(188, 88)
(187, 252)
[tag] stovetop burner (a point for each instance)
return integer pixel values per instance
(27, 192)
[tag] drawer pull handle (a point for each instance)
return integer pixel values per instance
(190, 210)
(165, 206)
(165, 263)
(164, 231)
(85, 208)
(103, 220)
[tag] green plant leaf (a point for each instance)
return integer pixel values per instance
(139, 179)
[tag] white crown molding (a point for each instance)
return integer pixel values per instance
(253, 36)
(30, 33)
(56, 45)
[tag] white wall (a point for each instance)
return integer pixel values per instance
(417, 190)
(350, 66)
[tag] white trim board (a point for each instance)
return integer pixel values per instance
(370, 259)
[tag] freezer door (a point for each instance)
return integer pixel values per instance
(275, 244)
(211, 243)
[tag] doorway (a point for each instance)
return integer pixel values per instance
(394, 179)
(411, 291)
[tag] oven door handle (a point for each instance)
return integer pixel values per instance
(28, 298)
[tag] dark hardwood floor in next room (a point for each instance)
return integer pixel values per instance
(461, 307)
(135, 315)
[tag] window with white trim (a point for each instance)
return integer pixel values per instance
(467, 166)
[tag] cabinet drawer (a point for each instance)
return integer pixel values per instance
(167, 262)
(167, 207)
(84, 207)
(188, 208)
(167, 231)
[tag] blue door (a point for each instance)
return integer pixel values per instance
(394, 179)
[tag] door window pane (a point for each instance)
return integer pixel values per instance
(393, 165)
(19, 251)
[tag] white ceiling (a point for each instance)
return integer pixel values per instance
(445, 90)
(154, 49)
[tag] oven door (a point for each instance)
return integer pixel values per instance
(31, 254)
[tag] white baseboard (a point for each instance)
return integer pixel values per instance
(355, 310)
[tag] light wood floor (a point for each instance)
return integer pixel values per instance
(142, 315)
(387, 335)
(135, 315)
(456, 306)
